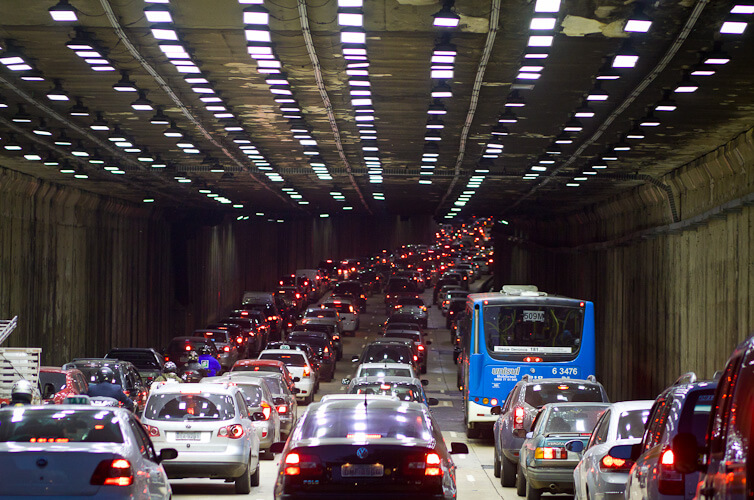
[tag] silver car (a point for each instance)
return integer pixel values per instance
(259, 399)
(600, 476)
(284, 399)
(210, 426)
(78, 450)
(415, 306)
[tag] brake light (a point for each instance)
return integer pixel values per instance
(113, 473)
(550, 453)
(350, 308)
(282, 409)
(234, 431)
(272, 318)
(188, 347)
(152, 431)
(428, 465)
(267, 410)
(302, 465)
(244, 313)
(307, 371)
(532, 359)
(612, 464)
(167, 359)
(670, 482)
(239, 340)
(416, 358)
(518, 418)
(421, 347)
(226, 348)
(336, 337)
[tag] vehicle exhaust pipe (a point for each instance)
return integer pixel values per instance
(553, 488)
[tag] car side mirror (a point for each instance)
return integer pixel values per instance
(278, 401)
(433, 401)
(686, 453)
(257, 416)
(425, 381)
(459, 448)
(297, 379)
(277, 446)
(428, 342)
(167, 454)
(354, 359)
(296, 390)
(529, 435)
(575, 446)
(345, 381)
(496, 410)
(626, 451)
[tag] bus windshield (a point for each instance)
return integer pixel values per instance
(513, 333)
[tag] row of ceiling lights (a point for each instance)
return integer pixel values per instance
(256, 19)
(354, 48)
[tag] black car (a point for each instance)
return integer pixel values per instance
(324, 328)
(252, 327)
(180, 347)
(359, 446)
(381, 351)
(356, 289)
(125, 372)
(323, 347)
(146, 360)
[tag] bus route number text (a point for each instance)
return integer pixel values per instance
(565, 371)
(534, 316)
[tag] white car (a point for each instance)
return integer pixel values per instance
(323, 315)
(599, 476)
(210, 426)
(300, 368)
(79, 451)
(349, 313)
(385, 370)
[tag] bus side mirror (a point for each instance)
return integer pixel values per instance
(496, 410)
(686, 453)
(575, 446)
(433, 401)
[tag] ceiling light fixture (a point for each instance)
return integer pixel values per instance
(547, 6)
(125, 84)
(597, 94)
(441, 90)
(445, 17)
(638, 22)
(686, 85)
(63, 12)
(626, 57)
(99, 124)
(21, 115)
(142, 103)
(256, 14)
(57, 93)
(507, 117)
(159, 118)
(666, 104)
(158, 14)
(734, 25)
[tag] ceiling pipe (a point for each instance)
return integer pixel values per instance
(674, 48)
(304, 18)
(486, 53)
(177, 100)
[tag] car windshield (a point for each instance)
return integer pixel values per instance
(141, 360)
(560, 392)
(403, 392)
(387, 354)
(202, 406)
(360, 424)
(385, 372)
(631, 423)
(23, 425)
(252, 393)
(90, 370)
(55, 379)
(290, 359)
(512, 332)
(577, 419)
(695, 414)
(409, 301)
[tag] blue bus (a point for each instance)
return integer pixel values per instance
(519, 330)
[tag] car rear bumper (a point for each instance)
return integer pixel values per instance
(348, 493)
(544, 478)
(178, 470)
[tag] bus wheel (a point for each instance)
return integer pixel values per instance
(472, 432)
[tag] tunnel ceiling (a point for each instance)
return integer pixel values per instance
(251, 151)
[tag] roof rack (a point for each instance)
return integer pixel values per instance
(592, 378)
(686, 378)
(522, 290)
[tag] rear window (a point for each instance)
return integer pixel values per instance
(402, 392)
(59, 426)
(631, 423)
(213, 336)
(388, 354)
(204, 406)
(141, 360)
(90, 371)
(340, 306)
(320, 314)
(55, 379)
(540, 394)
(375, 423)
(291, 359)
(409, 301)
(252, 394)
(259, 368)
(312, 341)
(695, 414)
(385, 372)
(574, 419)
(403, 335)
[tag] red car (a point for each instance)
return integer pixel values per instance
(57, 383)
(266, 365)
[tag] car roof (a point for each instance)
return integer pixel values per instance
(621, 406)
(392, 340)
(386, 365)
(193, 388)
(553, 380)
(571, 404)
(358, 398)
(252, 362)
(355, 401)
(390, 379)
(233, 377)
(282, 351)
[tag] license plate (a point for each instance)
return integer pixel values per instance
(187, 436)
(362, 470)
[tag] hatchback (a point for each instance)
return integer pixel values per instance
(284, 399)
(403, 388)
(414, 306)
(69, 451)
(210, 426)
(128, 378)
(366, 447)
(299, 366)
(388, 352)
(385, 370)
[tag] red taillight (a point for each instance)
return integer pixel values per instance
(350, 308)
(302, 465)
(167, 359)
(532, 359)
(282, 409)
(244, 313)
(267, 410)
(427, 465)
(669, 481)
(421, 347)
(234, 431)
(336, 337)
(239, 340)
(518, 418)
(113, 473)
(611, 464)
(188, 347)
(550, 453)
(226, 348)
(307, 371)
(152, 431)
(272, 318)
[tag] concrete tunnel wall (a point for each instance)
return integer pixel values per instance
(669, 297)
(85, 273)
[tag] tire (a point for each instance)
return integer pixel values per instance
(496, 464)
(423, 369)
(532, 493)
(243, 482)
(308, 400)
(472, 432)
(520, 482)
(255, 476)
(507, 473)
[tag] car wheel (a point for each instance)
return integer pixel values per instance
(520, 482)
(532, 493)
(243, 483)
(424, 369)
(508, 472)
(307, 400)
(255, 476)
(496, 464)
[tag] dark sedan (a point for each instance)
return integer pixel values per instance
(366, 447)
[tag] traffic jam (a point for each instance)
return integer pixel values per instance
(406, 374)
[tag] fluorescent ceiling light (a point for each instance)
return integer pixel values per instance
(350, 18)
(540, 41)
(542, 23)
(257, 35)
(547, 6)
(158, 14)
(733, 27)
(164, 34)
(63, 12)
(742, 9)
(353, 35)
(442, 74)
(256, 14)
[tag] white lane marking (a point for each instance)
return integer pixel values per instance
(442, 391)
(446, 403)
(453, 434)
(439, 379)
(470, 478)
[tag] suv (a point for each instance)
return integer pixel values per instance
(298, 364)
(145, 359)
(685, 408)
(210, 426)
(728, 452)
(130, 380)
(523, 403)
(356, 289)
